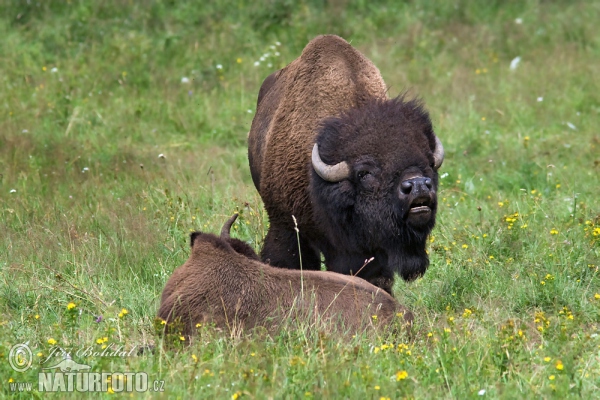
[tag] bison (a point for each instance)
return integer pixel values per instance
(358, 170)
(224, 283)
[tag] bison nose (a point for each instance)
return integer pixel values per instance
(416, 185)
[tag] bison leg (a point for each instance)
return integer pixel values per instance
(281, 250)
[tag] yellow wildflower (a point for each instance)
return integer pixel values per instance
(401, 375)
(51, 342)
(71, 306)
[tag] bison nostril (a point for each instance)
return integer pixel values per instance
(406, 187)
(428, 183)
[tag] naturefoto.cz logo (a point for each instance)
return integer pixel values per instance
(67, 375)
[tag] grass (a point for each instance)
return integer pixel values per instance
(93, 92)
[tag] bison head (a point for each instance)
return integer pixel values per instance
(374, 184)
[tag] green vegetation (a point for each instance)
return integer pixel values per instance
(93, 221)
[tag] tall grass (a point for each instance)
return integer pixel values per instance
(90, 214)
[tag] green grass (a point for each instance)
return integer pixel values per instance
(91, 93)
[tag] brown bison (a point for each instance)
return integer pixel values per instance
(357, 169)
(224, 283)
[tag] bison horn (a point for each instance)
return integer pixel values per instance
(330, 173)
(438, 154)
(227, 227)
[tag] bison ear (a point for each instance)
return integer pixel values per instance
(193, 237)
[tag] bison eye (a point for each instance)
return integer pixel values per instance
(362, 174)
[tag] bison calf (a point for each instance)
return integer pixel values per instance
(224, 283)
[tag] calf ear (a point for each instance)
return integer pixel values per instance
(193, 237)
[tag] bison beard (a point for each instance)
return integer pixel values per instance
(369, 188)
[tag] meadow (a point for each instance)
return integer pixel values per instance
(123, 127)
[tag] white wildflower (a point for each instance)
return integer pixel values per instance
(219, 66)
(481, 392)
(185, 79)
(161, 155)
(13, 190)
(540, 99)
(518, 21)
(570, 125)
(54, 70)
(256, 63)
(515, 63)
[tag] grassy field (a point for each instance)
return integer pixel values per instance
(123, 128)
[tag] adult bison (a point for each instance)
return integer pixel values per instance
(357, 169)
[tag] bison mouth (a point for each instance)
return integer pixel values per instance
(420, 211)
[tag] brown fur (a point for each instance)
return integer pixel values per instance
(329, 77)
(220, 285)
